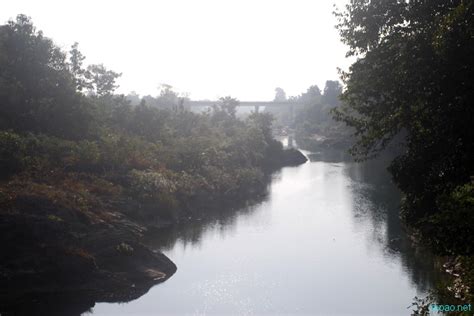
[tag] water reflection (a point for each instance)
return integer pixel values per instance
(54, 305)
(326, 240)
(191, 233)
(378, 207)
(329, 156)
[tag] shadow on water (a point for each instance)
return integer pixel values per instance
(222, 217)
(190, 232)
(378, 205)
(329, 156)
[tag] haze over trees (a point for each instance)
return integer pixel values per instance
(78, 160)
(84, 171)
(50, 98)
(314, 117)
(280, 95)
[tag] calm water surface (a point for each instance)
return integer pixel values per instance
(325, 241)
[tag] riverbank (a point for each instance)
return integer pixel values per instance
(79, 235)
(320, 215)
(52, 248)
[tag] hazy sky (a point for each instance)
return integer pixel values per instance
(208, 48)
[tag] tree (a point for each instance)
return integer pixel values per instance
(134, 98)
(228, 105)
(168, 98)
(96, 78)
(101, 81)
(280, 95)
(412, 78)
(311, 96)
(79, 73)
(332, 92)
(37, 86)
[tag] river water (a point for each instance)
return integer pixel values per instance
(326, 240)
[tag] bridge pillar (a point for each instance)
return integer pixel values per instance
(290, 141)
(292, 115)
(257, 108)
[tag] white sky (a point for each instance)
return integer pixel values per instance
(208, 48)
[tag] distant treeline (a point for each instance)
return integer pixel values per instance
(313, 123)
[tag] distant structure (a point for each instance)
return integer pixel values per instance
(255, 104)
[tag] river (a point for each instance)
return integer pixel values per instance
(325, 240)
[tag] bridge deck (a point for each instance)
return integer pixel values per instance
(248, 103)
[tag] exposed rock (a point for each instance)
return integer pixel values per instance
(48, 251)
(283, 158)
(293, 157)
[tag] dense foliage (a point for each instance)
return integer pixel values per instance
(413, 80)
(64, 134)
(315, 128)
(315, 117)
(84, 172)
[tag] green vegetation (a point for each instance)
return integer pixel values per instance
(82, 170)
(314, 127)
(412, 82)
(159, 155)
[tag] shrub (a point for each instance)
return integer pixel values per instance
(451, 229)
(11, 153)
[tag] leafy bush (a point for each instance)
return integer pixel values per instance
(11, 153)
(450, 230)
(150, 184)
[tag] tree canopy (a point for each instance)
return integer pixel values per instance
(41, 90)
(280, 95)
(412, 81)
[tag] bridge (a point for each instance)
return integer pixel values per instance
(290, 105)
(255, 104)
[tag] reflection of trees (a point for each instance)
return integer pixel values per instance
(330, 156)
(222, 216)
(377, 202)
(54, 305)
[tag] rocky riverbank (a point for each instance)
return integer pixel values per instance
(49, 250)
(59, 243)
